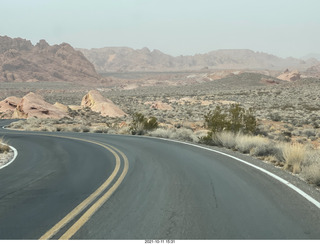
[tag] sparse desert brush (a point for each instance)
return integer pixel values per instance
(162, 132)
(4, 148)
(310, 168)
(293, 155)
(76, 129)
(246, 143)
(100, 129)
(140, 124)
(226, 139)
(182, 134)
(124, 130)
(17, 124)
(84, 129)
(312, 173)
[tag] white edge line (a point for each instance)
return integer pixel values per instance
(287, 183)
(15, 154)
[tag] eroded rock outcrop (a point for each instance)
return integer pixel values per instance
(102, 105)
(8, 106)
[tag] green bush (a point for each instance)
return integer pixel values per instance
(140, 124)
(235, 119)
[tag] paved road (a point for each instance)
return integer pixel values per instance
(170, 191)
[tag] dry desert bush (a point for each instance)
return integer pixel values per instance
(4, 148)
(310, 168)
(182, 134)
(293, 155)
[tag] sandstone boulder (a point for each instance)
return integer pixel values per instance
(289, 75)
(102, 105)
(33, 105)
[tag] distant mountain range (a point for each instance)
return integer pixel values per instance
(118, 59)
(311, 56)
(20, 60)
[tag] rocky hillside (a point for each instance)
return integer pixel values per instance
(20, 60)
(115, 59)
(313, 71)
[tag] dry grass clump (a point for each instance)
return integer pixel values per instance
(293, 154)
(225, 139)
(247, 143)
(182, 134)
(100, 129)
(255, 145)
(310, 168)
(4, 148)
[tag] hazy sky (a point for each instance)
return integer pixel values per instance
(177, 27)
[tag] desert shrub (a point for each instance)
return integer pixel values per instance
(161, 132)
(76, 129)
(140, 124)
(266, 149)
(308, 133)
(235, 119)
(100, 129)
(275, 117)
(124, 130)
(310, 168)
(185, 134)
(84, 129)
(17, 124)
(293, 155)
(4, 148)
(182, 134)
(225, 139)
(216, 121)
(247, 143)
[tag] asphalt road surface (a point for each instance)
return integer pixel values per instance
(97, 186)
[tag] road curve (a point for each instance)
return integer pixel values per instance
(171, 191)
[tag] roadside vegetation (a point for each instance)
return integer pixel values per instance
(4, 148)
(140, 124)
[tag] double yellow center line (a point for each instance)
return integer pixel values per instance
(95, 195)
